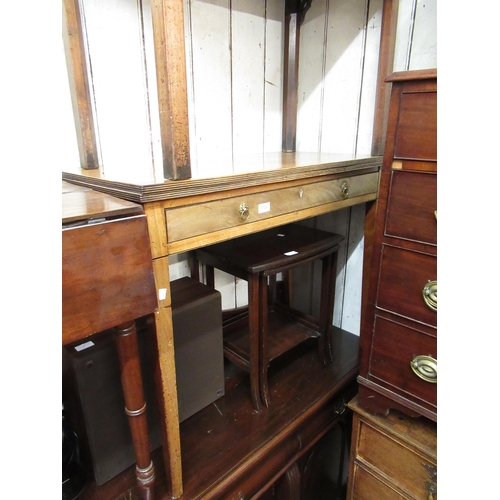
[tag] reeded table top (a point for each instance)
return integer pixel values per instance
(147, 184)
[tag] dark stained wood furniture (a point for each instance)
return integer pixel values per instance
(230, 451)
(185, 215)
(108, 282)
(393, 457)
(398, 364)
(272, 327)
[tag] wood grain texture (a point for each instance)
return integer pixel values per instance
(397, 324)
(228, 448)
(393, 457)
(385, 68)
(170, 58)
(107, 267)
(80, 90)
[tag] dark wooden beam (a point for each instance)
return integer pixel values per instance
(80, 94)
(385, 68)
(295, 11)
(168, 31)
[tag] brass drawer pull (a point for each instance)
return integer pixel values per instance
(430, 295)
(244, 211)
(344, 190)
(431, 489)
(425, 367)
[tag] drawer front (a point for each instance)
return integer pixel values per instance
(406, 469)
(394, 347)
(404, 274)
(196, 220)
(417, 126)
(368, 487)
(411, 206)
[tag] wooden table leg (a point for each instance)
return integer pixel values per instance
(253, 327)
(263, 350)
(328, 274)
(135, 406)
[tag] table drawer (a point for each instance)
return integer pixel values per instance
(368, 487)
(404, 276)
(195, 220)
(405, 469)
(416, 136)
(394, 348)
(411, 206)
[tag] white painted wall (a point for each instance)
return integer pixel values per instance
(234, 53)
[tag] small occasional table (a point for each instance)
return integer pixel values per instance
(273, 327)
(108, 282)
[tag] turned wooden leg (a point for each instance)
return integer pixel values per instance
(135, 406)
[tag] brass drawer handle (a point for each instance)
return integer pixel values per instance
(244, 211)
(425, 367)
(344, 190)
(430, 295)
(431, 489)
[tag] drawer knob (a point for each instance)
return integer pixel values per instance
(425, 367)
(430, 295)
(244, 211)
(344, 190)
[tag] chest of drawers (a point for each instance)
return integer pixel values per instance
(398, 366)
(392, 458)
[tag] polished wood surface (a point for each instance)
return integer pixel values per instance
(392, 457)
(80, 203)
(170, 60)
(397, 325)
(268, 173)
(108, 282)
(228, 449)
(107, 276)
(272, 329)
(390, 9)
(206, 218)
(261, 172)
(76, 62)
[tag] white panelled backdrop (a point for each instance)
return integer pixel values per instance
(234, 54)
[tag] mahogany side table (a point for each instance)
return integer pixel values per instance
(108, 282)
(272, 327)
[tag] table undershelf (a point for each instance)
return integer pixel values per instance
(286, 331)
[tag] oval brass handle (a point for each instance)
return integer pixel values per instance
(430, 295)
(244, 211)
(344, 190)
(425, 367)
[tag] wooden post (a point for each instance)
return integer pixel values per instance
(80, 94)
(168, 31)
(295, 11)
(385, 68)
